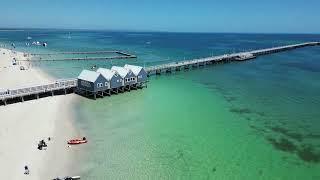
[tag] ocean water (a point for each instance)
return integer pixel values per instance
(251, 120)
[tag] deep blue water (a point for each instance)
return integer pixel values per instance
(150, 47)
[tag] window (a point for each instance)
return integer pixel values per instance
(139, 77)
(106, 84)
(85, 83)
(99, 85)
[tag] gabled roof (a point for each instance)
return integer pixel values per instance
(121, 71)
(106, 73)
(90, 76)
(135, 69)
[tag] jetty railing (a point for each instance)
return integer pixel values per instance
(83, 58)
(21, 92)
(121, 55)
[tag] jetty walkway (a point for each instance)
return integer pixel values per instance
(121, 55)
(65, 86)
(62, 86)
(242, 56)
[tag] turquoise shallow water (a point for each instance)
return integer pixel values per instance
(253, 120)
(184, 127)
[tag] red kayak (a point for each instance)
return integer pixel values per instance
(77, 141)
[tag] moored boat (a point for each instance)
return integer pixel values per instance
(68, 178)
(77, 141)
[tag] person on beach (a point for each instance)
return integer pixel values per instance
(42, 144)
(39, 147)
(26, 170)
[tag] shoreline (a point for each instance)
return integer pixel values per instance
(23, 125)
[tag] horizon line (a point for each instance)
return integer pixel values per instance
(154, 31)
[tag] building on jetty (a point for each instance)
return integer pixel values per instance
(91, 82)
(114, 79)
(129, 79)
(139, 72)
(245, 56)
(4, 92)
(107, 82)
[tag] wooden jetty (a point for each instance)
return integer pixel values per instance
(84, 58)
(122, 55)
(82, 52)
(62, 86)
(177, 66)
(65, 86)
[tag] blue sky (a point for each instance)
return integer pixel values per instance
(272, 16)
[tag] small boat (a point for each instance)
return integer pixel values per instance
(36, 43)
(77, 141)
(69, 36)
(68, 178)
(74, 177)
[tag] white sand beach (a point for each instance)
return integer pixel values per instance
(23, 125)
